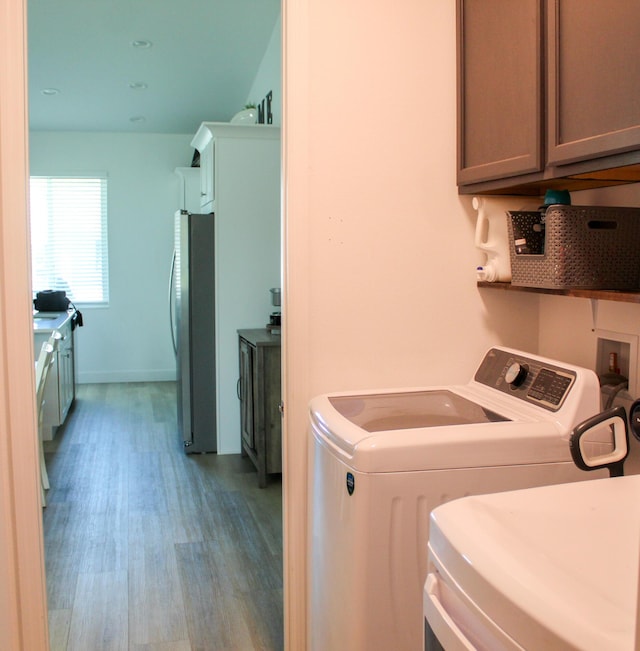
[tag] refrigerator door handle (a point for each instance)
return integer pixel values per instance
(171, 303)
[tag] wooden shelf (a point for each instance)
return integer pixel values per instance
(600, 294)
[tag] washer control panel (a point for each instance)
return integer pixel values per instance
(526, 378)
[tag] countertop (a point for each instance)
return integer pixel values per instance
(46, 322)
(260, 337)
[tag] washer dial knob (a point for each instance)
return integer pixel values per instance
(516, 374)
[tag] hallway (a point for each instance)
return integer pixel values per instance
(148, 549)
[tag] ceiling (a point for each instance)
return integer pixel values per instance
(200, 63)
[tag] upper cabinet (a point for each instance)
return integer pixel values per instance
(225, 148)
(548, 94)
(593, 55)
(499, 89)
(207, 167)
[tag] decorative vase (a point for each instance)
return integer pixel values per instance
(246, 116)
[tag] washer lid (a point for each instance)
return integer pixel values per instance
(553, 567)
(467, 428)
(411, 409)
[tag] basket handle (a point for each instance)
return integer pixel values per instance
(602, 225)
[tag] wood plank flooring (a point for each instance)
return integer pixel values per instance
(149, 549)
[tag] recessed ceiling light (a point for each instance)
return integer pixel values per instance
(137, 85)
(50, 91)
(136, 119)
(141, 44)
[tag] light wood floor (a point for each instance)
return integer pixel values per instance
(148, 549)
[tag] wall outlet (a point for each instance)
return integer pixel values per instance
(621, 349)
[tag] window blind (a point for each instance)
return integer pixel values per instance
(69, 237)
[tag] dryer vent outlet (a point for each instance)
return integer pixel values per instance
(617, 355)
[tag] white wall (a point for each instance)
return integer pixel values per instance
(380, 262)
(130, 339)
(268, 77)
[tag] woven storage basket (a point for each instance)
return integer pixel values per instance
(577, 247)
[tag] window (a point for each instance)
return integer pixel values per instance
(69, 237)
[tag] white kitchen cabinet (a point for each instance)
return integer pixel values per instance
(189, 188)
(60, 390)
(207, 171)
(240, 171)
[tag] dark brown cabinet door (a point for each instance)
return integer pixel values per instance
(499, 89)
(593, 55)
(260, 395)
(271, 386)
(247, 424)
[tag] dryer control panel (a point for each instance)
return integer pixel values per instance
(526, 378)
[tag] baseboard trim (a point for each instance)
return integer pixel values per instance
(103, 377)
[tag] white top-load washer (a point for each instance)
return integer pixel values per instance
(381, 462)
(545, 568)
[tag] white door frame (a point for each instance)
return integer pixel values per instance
(23, 607)
(296, 134)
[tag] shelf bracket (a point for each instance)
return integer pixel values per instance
(594, 313)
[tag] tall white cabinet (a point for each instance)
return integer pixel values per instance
(240, 184)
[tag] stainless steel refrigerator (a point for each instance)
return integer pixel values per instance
(192, 316)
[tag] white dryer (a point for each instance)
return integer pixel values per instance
(554, 567)
(381, 462)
